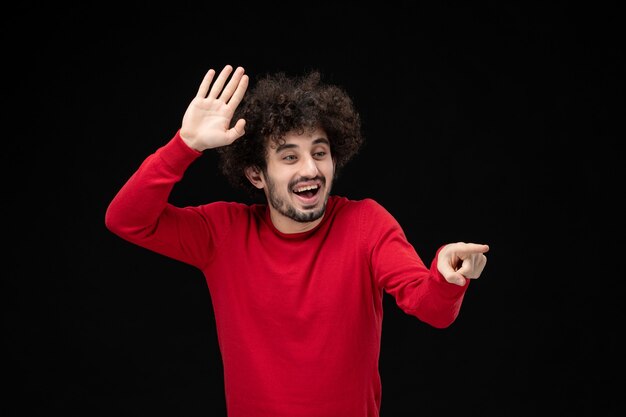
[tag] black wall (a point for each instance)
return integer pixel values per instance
(499, 124)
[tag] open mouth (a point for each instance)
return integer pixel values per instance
(307, 191)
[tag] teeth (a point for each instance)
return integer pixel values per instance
(307, 188)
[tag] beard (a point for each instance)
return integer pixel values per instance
(288, 210)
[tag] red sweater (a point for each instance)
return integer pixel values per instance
(298, 316)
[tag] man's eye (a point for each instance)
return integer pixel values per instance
(289, 158)
(320, 154)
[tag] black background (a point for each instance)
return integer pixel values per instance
(489, 123)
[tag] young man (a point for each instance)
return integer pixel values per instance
(296, 282)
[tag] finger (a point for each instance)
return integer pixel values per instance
(466, 270)
(237, 130)
(233, 84)
(206, 83)
(457, 279)
(470, 248)
(240, 91)
(473, 266)
(220, 81)
(446, 269)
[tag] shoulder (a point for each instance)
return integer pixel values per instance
(344, 203)
(368, 210)
(231, 210)
(365, 220)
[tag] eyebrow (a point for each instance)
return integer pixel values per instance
(293, 145)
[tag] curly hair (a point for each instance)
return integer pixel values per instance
(279, 104)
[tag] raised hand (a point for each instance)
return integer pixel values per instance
(460, 261)
(206, 122)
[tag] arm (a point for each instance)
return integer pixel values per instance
(140, 212)
(432, 294)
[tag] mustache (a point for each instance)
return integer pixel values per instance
(304, 179)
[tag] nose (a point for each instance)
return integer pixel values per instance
(308, 167)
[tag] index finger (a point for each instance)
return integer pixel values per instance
(206, 83)
(469, 248)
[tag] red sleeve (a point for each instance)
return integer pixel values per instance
(140, 212)
(397, 268)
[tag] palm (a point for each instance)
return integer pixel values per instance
(207, 120)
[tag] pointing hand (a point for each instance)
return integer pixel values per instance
(460, 261)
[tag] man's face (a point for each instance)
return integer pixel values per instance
(298, 180)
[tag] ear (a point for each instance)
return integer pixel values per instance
(255, 176)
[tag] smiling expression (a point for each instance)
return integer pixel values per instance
(297, 180)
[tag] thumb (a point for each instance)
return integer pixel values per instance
(237, 131)
(456, 278)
